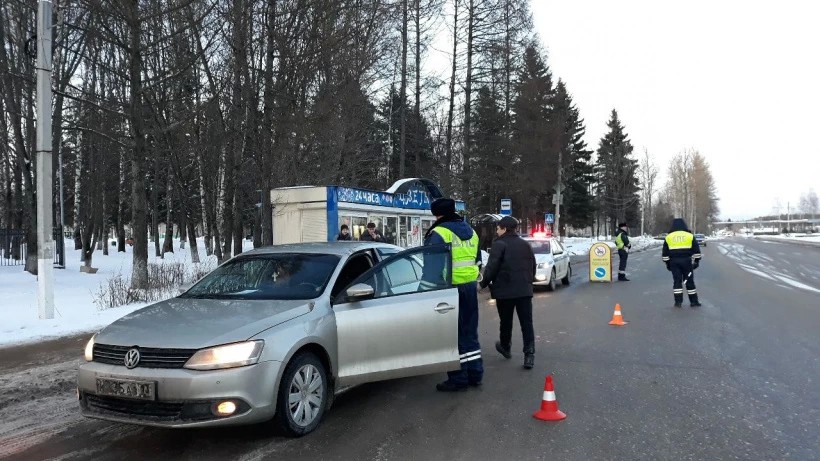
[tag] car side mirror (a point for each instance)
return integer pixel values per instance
(184, 287)
(360, 291)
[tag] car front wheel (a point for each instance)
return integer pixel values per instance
(551, 285)
(302, 398)
(565, 280)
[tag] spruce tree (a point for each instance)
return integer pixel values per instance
(534, 138)
(578, 207)
(488, 144)
(617, 175)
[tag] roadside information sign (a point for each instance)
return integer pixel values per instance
(600, 263)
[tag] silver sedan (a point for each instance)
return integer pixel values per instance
(276, 333)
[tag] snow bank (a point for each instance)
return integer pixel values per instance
(74, 291)
(580, 246)
(814, 238)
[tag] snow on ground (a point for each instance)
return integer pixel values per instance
(814, 238)
(75, 311)
(580, 246)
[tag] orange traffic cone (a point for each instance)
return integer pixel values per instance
(617, 318)
(549, 406)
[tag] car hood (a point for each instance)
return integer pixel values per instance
(544, 258)
(187, 323)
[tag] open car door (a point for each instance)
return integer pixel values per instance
(399, 319)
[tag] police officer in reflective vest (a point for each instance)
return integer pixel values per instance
(681, 253)
(623, 245)
(451, 228)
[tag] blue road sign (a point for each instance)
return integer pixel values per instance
(506, 206)
(600, 272)
(549, 218)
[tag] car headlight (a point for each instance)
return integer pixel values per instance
(543, 265)
(89, 349)
(227, 356)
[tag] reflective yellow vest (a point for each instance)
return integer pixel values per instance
(679, 240)
(619, 242)
(464, 254)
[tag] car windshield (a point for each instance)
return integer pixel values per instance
(699, 236)
(540, 246)
(274, 276)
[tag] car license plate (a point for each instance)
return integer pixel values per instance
(142, 390)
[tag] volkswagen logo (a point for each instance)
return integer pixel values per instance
(132, 358)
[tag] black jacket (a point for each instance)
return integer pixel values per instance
(365, 237)
(511, 268)
(624, 238)
(342, 236)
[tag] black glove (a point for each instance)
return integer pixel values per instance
(668, 266)
(629, 247)
(696, 264)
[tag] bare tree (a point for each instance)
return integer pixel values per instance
(647, 174)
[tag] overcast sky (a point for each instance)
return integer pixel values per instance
(737, 80)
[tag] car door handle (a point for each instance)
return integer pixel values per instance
(443, 307)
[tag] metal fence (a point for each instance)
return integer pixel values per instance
(12, 247)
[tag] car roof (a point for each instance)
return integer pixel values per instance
(339, 248)
(538, 239)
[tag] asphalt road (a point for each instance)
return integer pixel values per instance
(735, 379)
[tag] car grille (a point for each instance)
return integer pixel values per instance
(161, 411)
(149, 357)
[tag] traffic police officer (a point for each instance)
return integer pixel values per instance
(451, 228)
(681, 253)
(623, 245)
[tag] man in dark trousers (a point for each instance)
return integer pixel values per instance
(681, 253)
(623, 246)
(451, 228)
(510, 272)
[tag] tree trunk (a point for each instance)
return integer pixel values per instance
(468, 86)
(139, 275)
(183, 230)
(403, 92)
(155, 209)
(417, 136)
(448, 151)
(192, 240)
(168, 244)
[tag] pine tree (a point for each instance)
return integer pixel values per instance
(617, 172)
(488, 143)
(578, 206)
(535, 142)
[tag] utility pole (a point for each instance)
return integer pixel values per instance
(45, 236)
(558, 199)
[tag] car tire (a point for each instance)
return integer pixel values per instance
(565, 280)
(305, 378)
(551, 285)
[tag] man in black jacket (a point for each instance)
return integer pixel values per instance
(510, 272)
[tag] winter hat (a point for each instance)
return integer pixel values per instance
(508, 222)
(443, 207)
(623, 224)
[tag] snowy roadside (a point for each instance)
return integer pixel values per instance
(813, 239)
(580, 246)
(75, 311)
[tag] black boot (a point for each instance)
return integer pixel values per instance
(505, 351)
(678, 300)
(529, 356)
(693, 301)
(449, 386)
(622, 278)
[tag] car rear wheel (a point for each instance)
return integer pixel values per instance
(565, 280)
(302, 398)
(551, 285)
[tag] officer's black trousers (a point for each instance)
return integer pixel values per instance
(623, 255)
(506, 309)
(682, 270)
